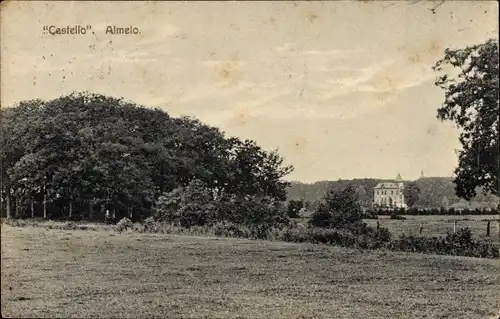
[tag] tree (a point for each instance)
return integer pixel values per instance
(294, 207)
(87, 151)
(339, 209)
(253, 171)
(411, 193)
(469, 78)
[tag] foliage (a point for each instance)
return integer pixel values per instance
(257, 212)
(124, 224)
(411, 193)
(374, 213)
(196, 205)
(294, 207)
(79, 155)
(460, 244)
(151, 225)
(395, 215)
(187, 206)
(469, 78)
(339, 209)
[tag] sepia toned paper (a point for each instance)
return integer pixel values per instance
(342, 89)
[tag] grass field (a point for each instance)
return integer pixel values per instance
(438, 225)
(47, 273)
(435, 225)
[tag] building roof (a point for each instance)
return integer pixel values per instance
(386, 185)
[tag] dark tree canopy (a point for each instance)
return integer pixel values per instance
(338, 209)
(469, 78)
(411, 193)
(84, 153)
(294, 207)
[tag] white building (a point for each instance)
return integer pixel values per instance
(389, 194)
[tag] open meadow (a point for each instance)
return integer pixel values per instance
(48, 273)
(436, 225)
(433, 225)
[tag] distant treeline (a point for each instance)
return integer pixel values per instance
(435, 192)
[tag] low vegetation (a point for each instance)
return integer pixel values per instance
(415, 211)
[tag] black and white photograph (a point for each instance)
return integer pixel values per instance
(249, 159)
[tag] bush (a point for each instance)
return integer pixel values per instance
(339, 210)
(138, 227)
(196, 205)
(396, 216)
(186, 206)
(370, 215)
(294, 207)
(227, 229)
(257, 212)
(460, 244)
(124, 224)
(383, 234)
(70, 226)
(150, 225)
(320, 218)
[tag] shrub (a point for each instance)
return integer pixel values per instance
(196, 205)
(138, 227)
(124, 224)
(252, 211)
(460, 244)
(186, 206)
(294, 207)
(370, 215)
(227, 229)
(70, 226)
(296, 234)
(338, 209)
(383, 234)
(320, 218)
(396, 216)
(150, 225)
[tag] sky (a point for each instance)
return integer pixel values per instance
(343, 89)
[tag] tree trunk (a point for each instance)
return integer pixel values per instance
(91, 211)
(44, 206)
(130, 212)
(102, 212)
(32, 206)
(8, 206)
(70, 215)
(17, 207)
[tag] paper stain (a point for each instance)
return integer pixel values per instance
(425, 54)
(311, 17)
(241, 116)
(299, 144)
(229, 71)
(386, 87)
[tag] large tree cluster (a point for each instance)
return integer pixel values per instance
(79, 155)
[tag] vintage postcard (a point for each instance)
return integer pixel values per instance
(249, 159)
